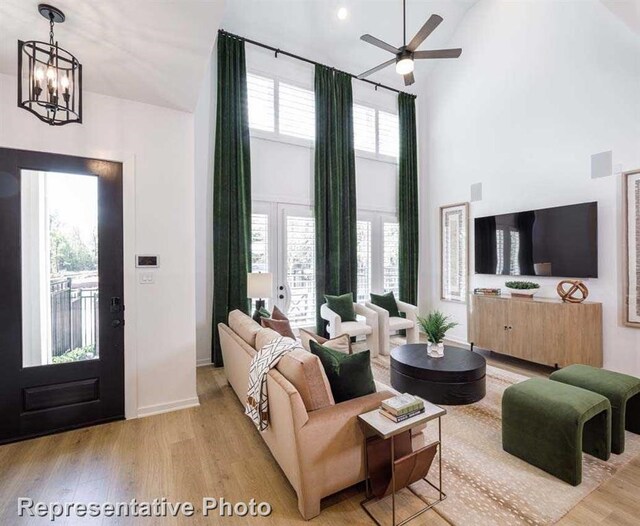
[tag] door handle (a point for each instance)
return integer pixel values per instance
(281, 296)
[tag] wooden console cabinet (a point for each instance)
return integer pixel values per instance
(539, 330)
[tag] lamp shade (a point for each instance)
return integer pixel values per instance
(259, 284)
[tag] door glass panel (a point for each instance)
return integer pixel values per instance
(59, 244)
(391, 240)
(301, 270)
(364, 260)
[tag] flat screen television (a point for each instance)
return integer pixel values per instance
(560, 241)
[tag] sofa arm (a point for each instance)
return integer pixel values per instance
(335, 322)
(410, 310)
(369, 314)
(326, 423)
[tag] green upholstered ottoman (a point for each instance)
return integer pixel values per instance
(548, 424)
(622, 390)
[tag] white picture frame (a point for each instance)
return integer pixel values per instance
(631, 218)
(454, 252)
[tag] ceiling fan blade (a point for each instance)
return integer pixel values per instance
(377, 68)
(409, 79)
(438, 53)
(379, 43)
(425, 31)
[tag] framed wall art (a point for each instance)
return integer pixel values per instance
(454, 252)
(632, 248)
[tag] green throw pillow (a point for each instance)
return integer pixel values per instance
(342, 306)
(387, 302)
(349, 375)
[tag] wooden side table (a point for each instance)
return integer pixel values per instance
(384, 428)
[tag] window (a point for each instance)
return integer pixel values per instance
(287, 110)
(297, 111)
(301, 270)
(391, 239)
(261, 96)
(388, 134)
(364, 260)
(364, 128)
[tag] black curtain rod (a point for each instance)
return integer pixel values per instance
(279, 51)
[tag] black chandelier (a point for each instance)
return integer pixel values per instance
(49, 77)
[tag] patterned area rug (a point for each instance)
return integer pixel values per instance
(485, 485)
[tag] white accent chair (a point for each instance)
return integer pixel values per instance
(366, 324)
(388, 324)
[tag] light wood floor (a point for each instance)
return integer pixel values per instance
(214, 451)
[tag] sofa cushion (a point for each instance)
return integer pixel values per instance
(244, 326)
(349, 375)
(387, 302)
(304, 370)
(265, 336)
(340, 343)
(282, 327)
(342, 306)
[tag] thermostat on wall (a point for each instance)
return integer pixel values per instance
(147, 261)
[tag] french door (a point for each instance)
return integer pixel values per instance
(284, 244)
(61, 276)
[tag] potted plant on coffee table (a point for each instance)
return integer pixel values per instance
(522, 289)
(435, 326)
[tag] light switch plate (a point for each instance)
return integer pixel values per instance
(147, 278)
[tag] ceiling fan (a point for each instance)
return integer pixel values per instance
(405, 55)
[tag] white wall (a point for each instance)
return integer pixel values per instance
(156, 145)
(204, 122)
(540, 87)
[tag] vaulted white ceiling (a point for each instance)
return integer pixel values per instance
(152, 51)
(312, 28)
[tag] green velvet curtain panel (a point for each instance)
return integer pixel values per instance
(408, 218)
(335, 188)
(231, 189)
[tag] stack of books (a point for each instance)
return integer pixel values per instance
(401, 407)
(487, 292)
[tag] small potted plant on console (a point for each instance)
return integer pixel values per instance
(435, 326)
(522, 289)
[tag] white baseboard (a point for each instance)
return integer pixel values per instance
(166, 408)
(459, 341)
(203, 361)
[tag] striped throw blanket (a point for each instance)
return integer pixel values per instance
(257, 406)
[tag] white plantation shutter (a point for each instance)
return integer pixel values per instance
(388, 134)
(259, 243)
(364, 128)
(301, 270)
(261, 98)
(259, 247)
(297, 112)
(364, 260)
(391, 239)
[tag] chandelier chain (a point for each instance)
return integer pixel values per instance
(51, 28)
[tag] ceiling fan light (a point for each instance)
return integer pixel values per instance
(404, 66)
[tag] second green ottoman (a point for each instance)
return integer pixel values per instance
(549, 424)
(622, 390)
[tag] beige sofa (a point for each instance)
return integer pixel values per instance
(317, 443)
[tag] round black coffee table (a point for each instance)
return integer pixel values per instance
(455, 379)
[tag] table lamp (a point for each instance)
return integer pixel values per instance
(259, 286)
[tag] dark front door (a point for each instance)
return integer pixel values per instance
(61, 293)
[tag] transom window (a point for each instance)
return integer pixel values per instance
(288, 111)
